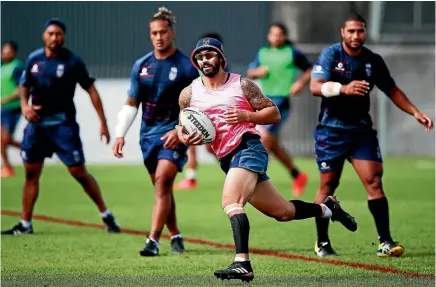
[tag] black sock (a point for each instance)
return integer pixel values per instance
(304, 210)
(295, 172)
(380, 211)
(241, 231)
(322, 229)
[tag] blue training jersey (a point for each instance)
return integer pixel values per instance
(350, 112)
(157, 84)
(52, 83)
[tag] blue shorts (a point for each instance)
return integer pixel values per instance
(153, 150)
(333, 146)
(284, 106)
(10, 119)
(250, 154)
(64, 140)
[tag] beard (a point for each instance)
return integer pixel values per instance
(353, 48)
(56, 47)
(212, 70)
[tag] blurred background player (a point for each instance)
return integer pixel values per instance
(343, 76)
(190, 180)
(156, 82)
(240, 152)
(276, 66)
(49, 78)
(11, 69)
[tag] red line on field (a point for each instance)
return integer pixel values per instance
(375, 268)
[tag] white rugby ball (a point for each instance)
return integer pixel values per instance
(193, 119)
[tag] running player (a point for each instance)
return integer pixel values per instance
(275, 66)
(49, 78)
(155, 82)
(190, 180)
(343, 76)
(235, 106)
(11, 70)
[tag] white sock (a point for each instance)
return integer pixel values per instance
(176, 236)
(106, 213)
(241, 259)
(327, 212)
(191, 174)
(25, 223)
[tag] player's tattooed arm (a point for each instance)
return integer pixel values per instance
(266, 112)
(133, 102)
(254, 95)
(185, 97)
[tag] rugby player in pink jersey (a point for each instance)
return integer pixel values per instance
(236, 105)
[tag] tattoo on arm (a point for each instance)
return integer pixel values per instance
(254, 96)
(132, 102)
(185, 97)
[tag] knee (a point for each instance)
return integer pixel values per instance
(79, 173)
(285, 215)
(373, 184)
(232, 208)
(163, 184)
(329, 186)
(32, 174)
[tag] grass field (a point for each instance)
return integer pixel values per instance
(60, 254)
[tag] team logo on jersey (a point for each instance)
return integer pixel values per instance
(340, 67)
(176, 155)
(324, 165)
(317, 69)
(76, 156)
(173, 73)
(60, 70)
(34, 69)
(144, 72)
(368, 69)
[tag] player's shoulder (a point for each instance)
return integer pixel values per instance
(264, 49)
(369, 54)
(36, 54)
(183, 58)
(334, 48)
(186, 64)
(69, 55)
(246, 82)
(144, 59)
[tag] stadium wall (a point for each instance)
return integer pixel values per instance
(109, 36)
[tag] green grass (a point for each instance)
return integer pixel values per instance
(73, 256)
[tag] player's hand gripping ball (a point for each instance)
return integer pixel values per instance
(193, 119)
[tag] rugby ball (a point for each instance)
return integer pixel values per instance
(193, 119)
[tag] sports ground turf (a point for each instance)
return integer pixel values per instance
(70, 249)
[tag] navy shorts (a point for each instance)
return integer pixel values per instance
(153, 150)
(333, 147)
(64, 140)
(10, 119)
(284, 106)
(250, 154)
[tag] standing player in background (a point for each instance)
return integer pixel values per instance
(49, 78)
(155, 82)
(190, 180)
(11, 70)
(235, 106)
(343, 76)
(275, 66)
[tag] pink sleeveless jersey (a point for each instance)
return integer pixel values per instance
(214, 103)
